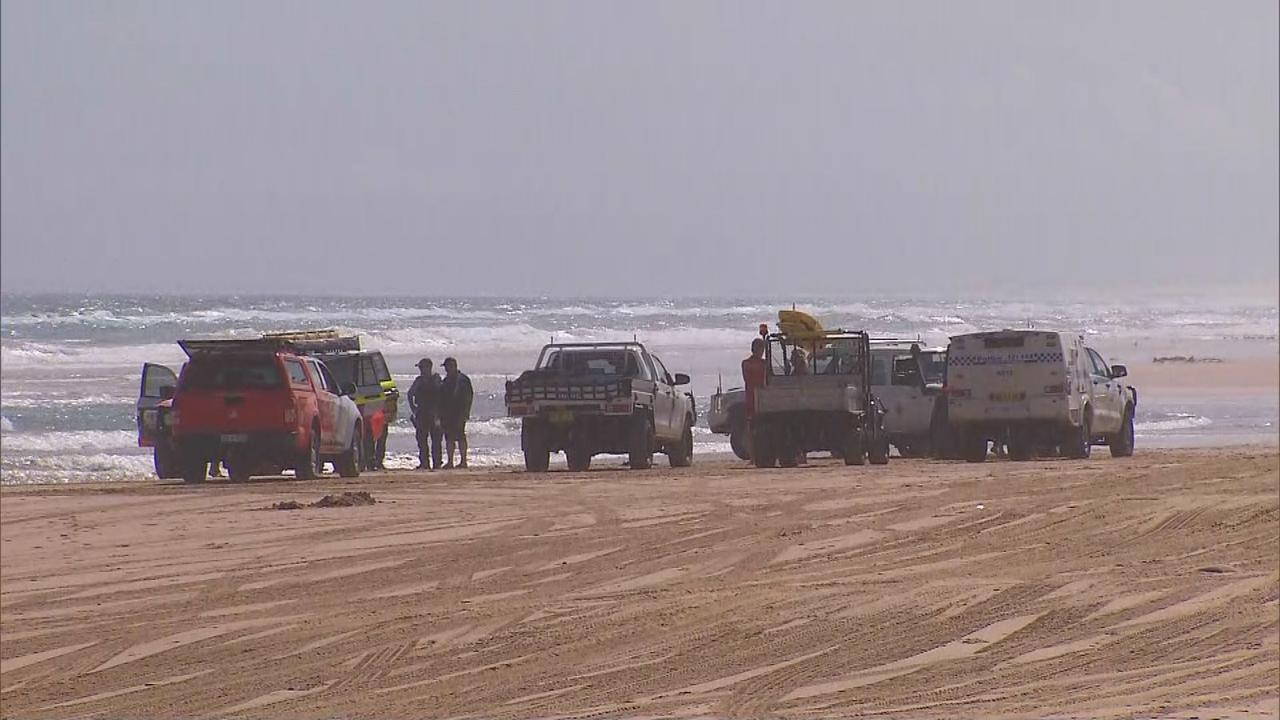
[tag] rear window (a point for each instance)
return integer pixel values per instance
(999, 343)
(594, 362)
(232, 373)
(343, 367)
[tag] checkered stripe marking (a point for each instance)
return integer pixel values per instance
(1009, 359)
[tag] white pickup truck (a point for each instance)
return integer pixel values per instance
(1041, 392)
(593, 398)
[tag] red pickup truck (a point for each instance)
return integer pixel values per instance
(260, 406)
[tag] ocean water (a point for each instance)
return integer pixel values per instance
(70, 365)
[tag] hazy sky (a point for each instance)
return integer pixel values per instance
(640, 148)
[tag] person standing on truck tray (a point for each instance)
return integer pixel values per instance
(424, 405)
(456, 395)
(754, 371)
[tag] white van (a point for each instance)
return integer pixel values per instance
(1041, 392)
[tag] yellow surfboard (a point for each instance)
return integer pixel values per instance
(798, 325)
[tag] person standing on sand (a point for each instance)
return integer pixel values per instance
(456, 395)
(754, 371)
(424, 405)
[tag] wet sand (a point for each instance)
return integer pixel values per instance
(1107, 588)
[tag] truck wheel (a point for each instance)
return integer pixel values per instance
(740, 441)
(788, 452)
(855, 449)
(641, 455)
(309, 463)
(1122, 442)
(973, 447)
(350, 461)
(1076, 445)
(195, 470)
(763, 453)
(578, 459)
(878, 451)
(682, 454)
(166, 460)
(537, 458)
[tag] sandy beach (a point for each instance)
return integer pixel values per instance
(1105, 588)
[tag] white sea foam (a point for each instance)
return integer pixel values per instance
(70, 441)
(1178, 421)
(6, 425)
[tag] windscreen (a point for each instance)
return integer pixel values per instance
(592, 362)
(833, 356)
(232, 373)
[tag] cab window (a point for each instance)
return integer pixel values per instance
(321, 377)
(297, 375)
(881, 367)
(661, 370)
(1099, 365)
(367, 375)
(380, 372)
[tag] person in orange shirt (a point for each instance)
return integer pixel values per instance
(754, 371)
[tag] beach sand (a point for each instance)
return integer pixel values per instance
(1142, 587)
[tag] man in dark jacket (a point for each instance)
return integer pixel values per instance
(456, 395)
(424, 405)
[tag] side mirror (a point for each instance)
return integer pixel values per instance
(682, 379)
(348, 389)
(1119, 371)
(166, 392)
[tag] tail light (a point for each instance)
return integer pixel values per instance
(625, 407)
(519, 409)
(961, 393)
(290, 415)
(1058, 389)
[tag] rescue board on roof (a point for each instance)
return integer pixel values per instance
(797, 325)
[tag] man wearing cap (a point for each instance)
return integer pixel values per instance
(456, 395)
(424, 407)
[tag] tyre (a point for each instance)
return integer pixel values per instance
(788, 454)
(166, 460)
(682, 455)
(350, 462)
(1122, 442)
(578, 459)
(195, 470)
(763, 452)
(536, 456)
(641, 443)
(239, 471)
(878, 452)
(973, 447)
(740, 440)
(855, 447)
(309, 463)
(1076, 445)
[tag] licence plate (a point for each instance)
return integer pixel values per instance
(236, 438)
(1009, 396)
(561, 417)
